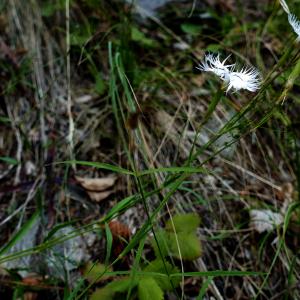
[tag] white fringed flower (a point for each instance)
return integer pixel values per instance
(212, 63)
(295, 23)
(247, 79)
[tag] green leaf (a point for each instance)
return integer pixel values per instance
(162, 240)
(9, 160)
(93, 271)
(189, 244)
(79, 35)
(213, 47)
(109, 291)
(121, 285)
(99, 84)
(192, 29)
(148, 289)
(164, 267)
(184, 223)
(139, 36)
(102, 294)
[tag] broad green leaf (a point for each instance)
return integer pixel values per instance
(189, 244)
(102, 294)
(109, 291)
(184, 223)
(148, 289)
(164, 267)
(162, 249)
(121, 285)
(93, 271)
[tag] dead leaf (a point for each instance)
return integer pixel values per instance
(96, 184)
(32, 280)
(99, 196)
(120, 232)
(97, 187)
(119, 229)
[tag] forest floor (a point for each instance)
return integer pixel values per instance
(128, 173)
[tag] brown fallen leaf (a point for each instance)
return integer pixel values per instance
(99, 196)
(120, 232)
(32, 280)
(96, 184)
(119, 229)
